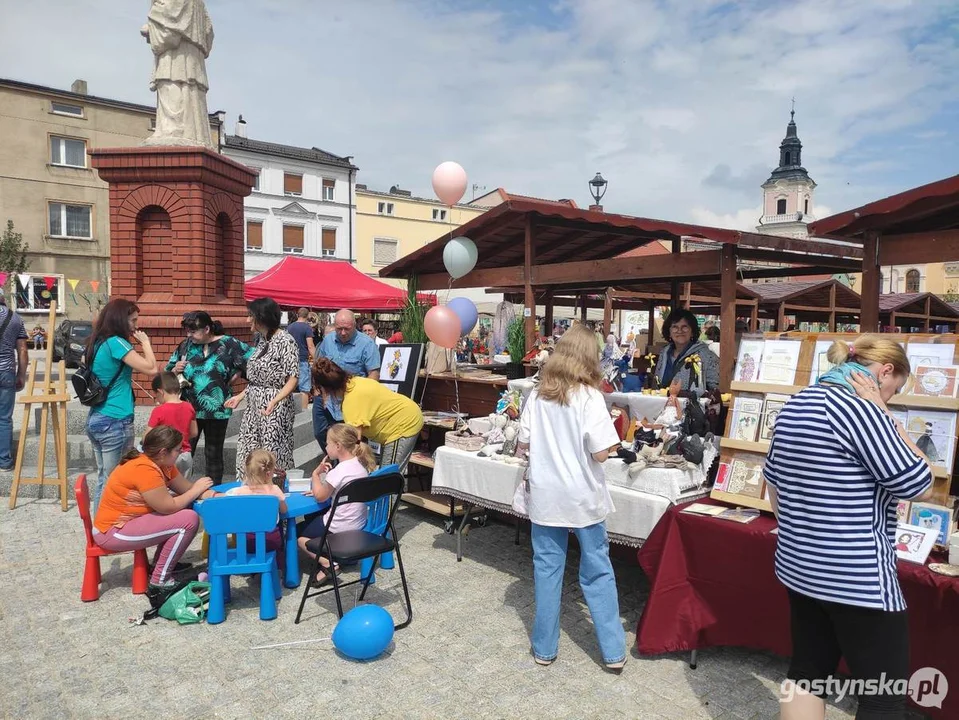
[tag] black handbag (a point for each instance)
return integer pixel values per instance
(87, 386)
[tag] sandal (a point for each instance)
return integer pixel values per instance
(321, 578)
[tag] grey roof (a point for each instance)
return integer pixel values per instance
(68, 94)
(288, 151)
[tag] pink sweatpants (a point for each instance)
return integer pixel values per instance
(172, 533)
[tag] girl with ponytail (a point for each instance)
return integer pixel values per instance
(354, 460)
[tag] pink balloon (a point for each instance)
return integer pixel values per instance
(443, 326)
(449, 182)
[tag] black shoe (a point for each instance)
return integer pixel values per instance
(182, 567)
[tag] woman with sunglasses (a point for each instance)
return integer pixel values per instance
(207, 362)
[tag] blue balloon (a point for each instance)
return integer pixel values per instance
(466, 311)
(364, 632)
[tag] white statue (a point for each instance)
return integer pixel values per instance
(180, 34)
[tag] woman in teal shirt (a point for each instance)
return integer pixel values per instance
(111, 357)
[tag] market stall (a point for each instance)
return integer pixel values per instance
(916, 312)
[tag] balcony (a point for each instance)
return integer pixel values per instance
(787, 218)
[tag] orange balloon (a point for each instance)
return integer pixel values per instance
(442, 326)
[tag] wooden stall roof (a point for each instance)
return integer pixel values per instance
(915, 303)
(641, 293)
(808, 292)
(926, 208)
(564, 233)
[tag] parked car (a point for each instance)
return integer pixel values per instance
(70, 341)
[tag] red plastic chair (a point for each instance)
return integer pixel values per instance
(91, 572)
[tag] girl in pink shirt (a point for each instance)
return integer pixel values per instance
(258, 480)
(354, 460)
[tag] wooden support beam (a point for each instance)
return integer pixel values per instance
(548, 302)
(583, 306)
(687, 294)
(529, 303)
(786, 272)
(674, 285)
(922, 247)
(608, 311)
(928, 312)
(832, 308)
(869, 318)
(727, 316)
(652, 326)
(802, 245)
(822, 261)
(754, 319)
(781, 318)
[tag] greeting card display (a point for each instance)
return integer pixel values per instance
(934, 432)
(914, 543)
(820, 360)
(930, 354)
(936, 381)
(746, 475)
(771, 408)
(932, 517)
(722, 477)
(747, 413)
(902, 512)
(779, 362)
(749, 359)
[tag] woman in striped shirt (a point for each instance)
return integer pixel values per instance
(837, 465)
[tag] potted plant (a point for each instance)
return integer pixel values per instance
(516, 347)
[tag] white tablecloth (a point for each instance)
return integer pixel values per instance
(638, 404)
(491, 484)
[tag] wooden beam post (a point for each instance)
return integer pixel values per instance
(583, 306)
(529, 298)
(608, 312)
(754, 318)
(652, 325)
(869, 318)
(549, 312)
(928, 313)
(832, 308)
(781, 318)
(727, 317)
(687, 294)
(893, 320)
(674, 284)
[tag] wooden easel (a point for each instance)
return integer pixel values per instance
(52, 399)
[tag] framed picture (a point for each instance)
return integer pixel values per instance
(932, 517)
(935, 381)
(747, 411)
(746, 476)
(820, 361)
(930, 354)
(902, 512)
(749, 359)
(780, 359)
(400, 367)
(914, 543)
(934, 432)
(771, 408)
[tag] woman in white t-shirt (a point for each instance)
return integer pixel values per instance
(354, 460)
(568, 433)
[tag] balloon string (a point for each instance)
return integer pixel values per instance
(288, 644)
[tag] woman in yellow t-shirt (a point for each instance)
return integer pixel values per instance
(385, 417)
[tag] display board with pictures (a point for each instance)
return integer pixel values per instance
(400, 367)
(771, 368)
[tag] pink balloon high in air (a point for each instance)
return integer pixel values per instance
(442, 326)
(449, 182)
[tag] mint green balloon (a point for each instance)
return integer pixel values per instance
(459, 256)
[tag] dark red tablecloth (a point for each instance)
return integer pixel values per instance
(712, 583)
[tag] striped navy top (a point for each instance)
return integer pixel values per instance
(838, 466)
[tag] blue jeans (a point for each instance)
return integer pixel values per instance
(110, 438)
(595, 578)
(306, 378)
(8, 396)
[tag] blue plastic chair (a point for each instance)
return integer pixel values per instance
(377, 515)
(238, 516)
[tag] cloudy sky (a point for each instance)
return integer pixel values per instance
(681, 105)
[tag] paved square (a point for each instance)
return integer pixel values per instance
(466, 654)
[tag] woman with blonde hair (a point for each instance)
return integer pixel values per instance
(344, 443)
(837, 465)
(568, 433)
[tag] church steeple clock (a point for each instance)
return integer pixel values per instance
(788, 193)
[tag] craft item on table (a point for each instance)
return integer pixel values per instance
(647, 368)
(747, 412)
(820, 361)
(746, 475)
(627, 456)
(945, 569)
(936, 381)
(464, 440)
(620, 416)
(704, 509)
(914, 543)
(740, 515)
(934, 432)
(772, 406)
(930, 354)
(490, 450)
(645, 437)
(749, 359)
(933, 517)
(695, 421)
(722, 477)
(511, 434)
(509, 404)
(902, 512)
(496, 435)
(780, 359)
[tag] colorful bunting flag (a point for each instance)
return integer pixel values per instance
(95, 284)
(73, 283)
(50, 281)
(24, 279)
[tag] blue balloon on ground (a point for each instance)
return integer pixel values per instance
(364, 632)
(466, 311)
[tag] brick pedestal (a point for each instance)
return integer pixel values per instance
(176, 239)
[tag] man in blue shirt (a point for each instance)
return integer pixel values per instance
(302, 332)
(13, 373)
(354, 352)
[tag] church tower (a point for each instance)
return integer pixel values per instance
(788, 193)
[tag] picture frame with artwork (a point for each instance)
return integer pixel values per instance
(772, 405)
(400, 367)
(936, 381)
(933, 517)
(914, 543)
(779, 363)
(749, 359)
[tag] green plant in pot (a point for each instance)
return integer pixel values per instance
(516, 347)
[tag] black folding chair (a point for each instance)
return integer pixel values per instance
(353, 546)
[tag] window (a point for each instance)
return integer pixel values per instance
(805, 206)
(72, 221)
(67, 151)
(912, 281)
(256, 180)
(787, 158)
(329, 242)
(254, 235)
(38, 293)
(293, 239)
(384, 208)
(384, 251)
(292, 184)
(328, 187)
(781, 206)
(439, 214)
(66, 109)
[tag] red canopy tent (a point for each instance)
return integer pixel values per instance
(325, 285)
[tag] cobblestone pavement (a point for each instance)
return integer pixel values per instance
(466, 654)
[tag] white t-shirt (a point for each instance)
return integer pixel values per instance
(379, 341)
(352, 516)
(567, 487)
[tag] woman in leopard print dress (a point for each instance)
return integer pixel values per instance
(271, 374)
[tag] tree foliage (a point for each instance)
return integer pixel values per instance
(13, 254)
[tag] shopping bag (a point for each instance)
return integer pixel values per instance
(187, 605)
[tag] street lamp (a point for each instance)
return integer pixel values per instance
(597, 188)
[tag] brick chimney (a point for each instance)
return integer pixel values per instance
(79, 87)
(240, 127)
